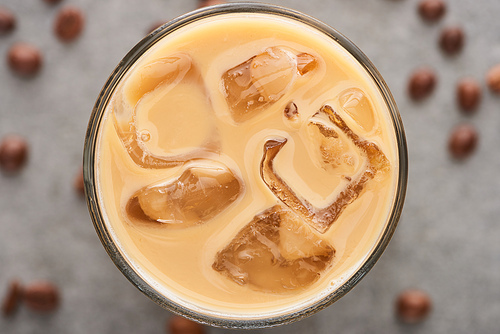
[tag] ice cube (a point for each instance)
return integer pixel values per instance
(166, 70)
(276, 252)
(358, 106)
(291, 111)
(197, 195)
(262, 80)
(167, 119)
(333, 149)
(372, 162)
(306, 63)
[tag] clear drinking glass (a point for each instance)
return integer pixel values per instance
(94, 200)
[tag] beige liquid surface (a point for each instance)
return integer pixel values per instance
(187, 117)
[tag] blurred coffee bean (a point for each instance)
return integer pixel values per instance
(422, 83)
(468, 94)
(13, 153)
(463, 141)
(413, 306)
(432, 10)
(24, 59)
(79, 184)
(41, 297)
(493, 79)
(180, 325)
(7, 21)
(69, 24)
(12, 298)
(52, 2)
(206, 3)
(452, 40)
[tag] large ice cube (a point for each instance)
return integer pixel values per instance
(167, 119)
(275, 252)
(171, 69)
(196, 196)
(262, 80)
(358, 106)
(362, 159)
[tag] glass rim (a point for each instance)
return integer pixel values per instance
(92, 135)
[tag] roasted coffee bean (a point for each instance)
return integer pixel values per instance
(7, 21)
(422, 83)
(205, 3)
(79, 184)
(493, 79)
(13, 153)
(180, 325)
(452, 40)
(12, 298)
(413, 306)
(468, 94)
(463, 141)
(432, 10)
(24, 59)
(41, 297)
(52, 2)
(69, 24)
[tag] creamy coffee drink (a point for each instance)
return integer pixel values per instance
(247, 164)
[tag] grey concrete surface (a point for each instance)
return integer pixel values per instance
(448, 241)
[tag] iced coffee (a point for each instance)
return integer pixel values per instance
(247, 165)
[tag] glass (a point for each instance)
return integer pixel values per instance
(94, 200)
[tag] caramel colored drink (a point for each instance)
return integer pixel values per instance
(248, 167)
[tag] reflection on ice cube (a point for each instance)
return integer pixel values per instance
(163, 115)
(357, 105)
(262, 80)
(196, 196)
(356, 160)
(275, 252)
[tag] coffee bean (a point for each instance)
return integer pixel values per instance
(52, 2)
(422, 83)
(7, 21)
(79, 184)
(13, 153)
(468, 94)
(69, 24)
(206, 3)
(452, 40)
(24, 59)
(493, 79)
(463, 141)
(432, 10)
(180, 325)
(12, 298)
(41, 296)
(413, 306)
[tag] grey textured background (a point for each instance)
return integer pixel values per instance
(448, 239)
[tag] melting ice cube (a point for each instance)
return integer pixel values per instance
(166, 70)
(275, 252)
(372, 162)
(357, 105)
(262, 80)
(167, 119)
(196, 196)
